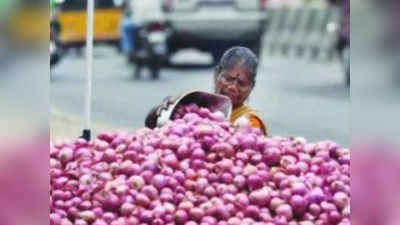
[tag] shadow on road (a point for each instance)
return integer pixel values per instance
(337, 91)
(144, 78)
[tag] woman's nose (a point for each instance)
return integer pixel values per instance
(232, 85)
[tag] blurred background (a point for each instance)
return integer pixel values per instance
(146, 50)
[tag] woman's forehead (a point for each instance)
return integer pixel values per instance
(237, 70)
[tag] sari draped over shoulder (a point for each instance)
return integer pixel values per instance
(252, 114)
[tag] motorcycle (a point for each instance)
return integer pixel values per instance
(55, 47)
(150, 49)
(54, 55)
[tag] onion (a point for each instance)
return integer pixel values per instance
(242, 156)
(55, 219)
(127, 209)
(98, 211)
(299, 188)
(242, 200)
(99, 222)
(252, 211)
(260, 197)
(80, 222)
(196, 214)
(239, 181)
(315, 209)
(183, 152)
(209, 191)
(160, 181)
(223, 149)
(203, 130)
(254, 182)
(136, 182)
(285, 210)
(272, 156)
(217, 116)
(298, 203)
(227, 178)
(181, 217)
(247, 142)
(109, 155)
(142, 200)
(88, 216)
(341, 200)
(222, 213)
(198, 154)
(65, 155)
(67, 222)
(108, 217)
(334, 217)
(275, 203)
(146, 216)
(147, 176)
(316, 195)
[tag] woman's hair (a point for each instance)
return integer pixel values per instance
(239, 56)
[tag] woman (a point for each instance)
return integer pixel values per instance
(235, 77)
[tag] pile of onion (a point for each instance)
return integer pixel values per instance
(198, 170)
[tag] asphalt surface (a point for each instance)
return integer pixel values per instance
(295, 97)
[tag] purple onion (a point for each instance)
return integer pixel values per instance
(272, 156)
(260, 197)
(252, 212)
(298, 203)
(181, 217)
(254, 182)
(299, 188)
(316, 195)
(341, 200)
(198, 154)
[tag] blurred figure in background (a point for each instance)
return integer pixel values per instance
(55, 26)
(127, 30)
(55, 46)
(343, 43)
(145, 36)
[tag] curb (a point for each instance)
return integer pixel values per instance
(63, 125)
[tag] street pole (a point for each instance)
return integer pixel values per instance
(89, 68)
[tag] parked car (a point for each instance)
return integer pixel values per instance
(215, 25)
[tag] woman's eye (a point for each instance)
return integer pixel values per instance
(243, 83)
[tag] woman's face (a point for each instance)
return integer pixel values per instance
(234, 82)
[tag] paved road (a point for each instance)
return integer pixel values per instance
(296, 97)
